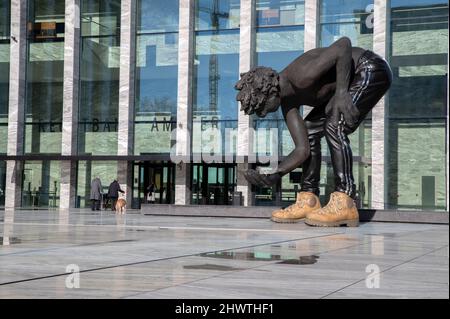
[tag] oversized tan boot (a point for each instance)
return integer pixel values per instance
(306, 202)
(340, 210)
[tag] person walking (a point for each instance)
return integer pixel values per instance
(113, 193)
(150, 193)
(96, 193)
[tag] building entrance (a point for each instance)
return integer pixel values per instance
(161, 175)
(213, 184)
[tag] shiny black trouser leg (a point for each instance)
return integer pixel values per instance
(311, 167)
(371, 82)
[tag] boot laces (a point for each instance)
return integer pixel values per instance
(298, 204)
(334, 206)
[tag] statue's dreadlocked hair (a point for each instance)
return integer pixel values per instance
(255, 87)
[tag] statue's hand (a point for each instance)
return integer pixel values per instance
(262, 180)
(341, 106)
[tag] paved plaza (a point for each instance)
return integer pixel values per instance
(137, 256)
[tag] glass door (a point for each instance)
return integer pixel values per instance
(161, 175)
(213, 184)
(2, 183)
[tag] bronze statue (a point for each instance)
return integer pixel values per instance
(342, 83)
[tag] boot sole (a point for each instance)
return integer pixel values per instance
(348, 223)
(286, 220)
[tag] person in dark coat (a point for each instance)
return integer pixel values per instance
(113, 193)
(96, 193)
(150, 195)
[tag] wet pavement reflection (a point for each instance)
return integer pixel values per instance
(137, 256)
(263, 256)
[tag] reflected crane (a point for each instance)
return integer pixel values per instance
(213, 77)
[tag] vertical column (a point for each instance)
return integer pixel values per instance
(245, 123)
(126, 93)
(184, 108)
(380, 41)
(18, 48)
(447, 183)
(311, 24)
(70, 103)
(311, 40)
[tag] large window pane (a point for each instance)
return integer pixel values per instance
(156, 75)
(5, 14)
(217, 15)
(99, 87)
(279, 40)
(156, 16)
(352, 18)
(45, 71)
(280, 12)
(417, 109)
(40, 187)
(87, 171)
(216, 70)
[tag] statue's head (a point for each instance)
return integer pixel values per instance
(259, 91)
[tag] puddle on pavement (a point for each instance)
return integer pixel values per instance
(5, 241)
(301, 260)
(212, 267)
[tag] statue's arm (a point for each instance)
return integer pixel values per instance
(299, 134)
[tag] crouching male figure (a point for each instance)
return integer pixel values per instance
(342, 83)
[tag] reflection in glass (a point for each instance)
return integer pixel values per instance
(280, 13)
(40, 187)
(352, 18)
(216, 70)
(417, 106)
(213, 184)
(156, 75)
(156, 16)
(5, 14)
(87, 171)
(99, 73)
(217, 15)
(279, 40)
(44, 76)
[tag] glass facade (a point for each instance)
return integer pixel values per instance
(44, 76)
(156, 75)
(417, 105)
(99, 93)
(216, 70)
(279, 40)
(352, 18)
(99, 74)
(87, 171)
(40, 185)
(5, 14)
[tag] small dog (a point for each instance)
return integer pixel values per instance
(121, 205)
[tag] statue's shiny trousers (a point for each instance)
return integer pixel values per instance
(371, 80)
